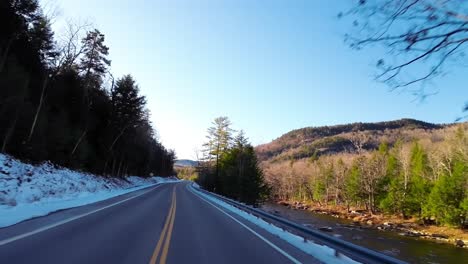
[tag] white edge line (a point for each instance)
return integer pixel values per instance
(248, 228)
(42, 229)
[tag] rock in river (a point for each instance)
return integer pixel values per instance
(325, 229)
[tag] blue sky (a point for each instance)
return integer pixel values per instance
(270, 66)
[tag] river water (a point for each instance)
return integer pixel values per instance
(410, 249)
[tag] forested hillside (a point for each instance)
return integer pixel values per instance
(310, 141)
(60, 102)
(407, 168)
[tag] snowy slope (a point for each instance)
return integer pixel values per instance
(28, 191)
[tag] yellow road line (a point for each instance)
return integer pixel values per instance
(169, 223)
(169, 234)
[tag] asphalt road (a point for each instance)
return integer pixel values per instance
(164, 224)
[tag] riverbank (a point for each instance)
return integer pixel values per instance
(405, 227)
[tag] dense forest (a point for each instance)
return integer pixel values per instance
(229, 165)
(417, 173)
(57, 104)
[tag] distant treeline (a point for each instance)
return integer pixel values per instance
(426, 178)
(59, 101)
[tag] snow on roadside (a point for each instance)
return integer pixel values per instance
(321, 252)
(28, 191)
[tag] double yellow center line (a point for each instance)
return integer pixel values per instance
(168, 226)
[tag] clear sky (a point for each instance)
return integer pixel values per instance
(270, 66)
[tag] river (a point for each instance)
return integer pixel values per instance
(410, 249)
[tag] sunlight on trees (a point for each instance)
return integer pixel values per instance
(230, 165)
(421, 179)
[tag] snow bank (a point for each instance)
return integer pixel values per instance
(28, 191)
(320, 252)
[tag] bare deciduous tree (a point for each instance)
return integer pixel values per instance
(70, 46)
(358, 139)
(51, 10)
(422, 37)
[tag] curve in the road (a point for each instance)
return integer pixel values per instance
(292, 259)
(167, 224)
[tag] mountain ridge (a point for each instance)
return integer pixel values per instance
(185, 163)
(309, 141)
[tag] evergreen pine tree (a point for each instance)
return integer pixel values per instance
(94, 62)
(418, 187)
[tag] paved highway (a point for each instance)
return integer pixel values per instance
(168, 223)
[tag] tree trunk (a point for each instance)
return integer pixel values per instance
(118, 136)
(110, 157)
(217, 168)
(4, 56)
(88, 70)
(41, 100)
(9, 132)
(79, 141)
(113, 168)
(125, 172)
(240, 176)
(13, 125)
(120, 167)
(112, 145)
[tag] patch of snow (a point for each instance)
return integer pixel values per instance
(28, 191)
(320, 252)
